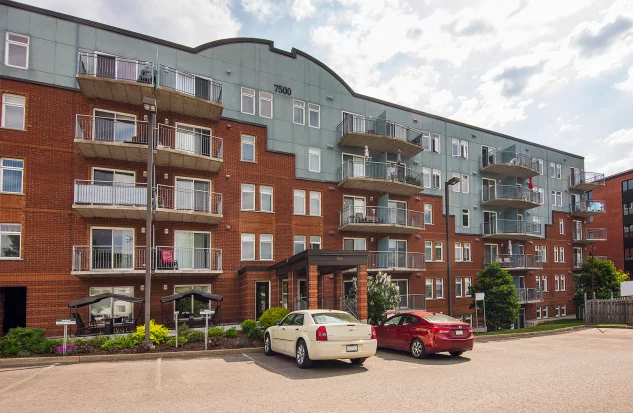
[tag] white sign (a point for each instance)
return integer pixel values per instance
(65, 321)
(207, 312)
(626, 289)
(480, 296)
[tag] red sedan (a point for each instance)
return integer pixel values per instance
(423, 333)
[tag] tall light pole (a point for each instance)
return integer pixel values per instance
(449, 288)
(150, 107)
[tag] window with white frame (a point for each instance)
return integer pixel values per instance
(465, 184)
(299, 243)
(426, 140)
(439, 251)
(563, 310)
(559, 173)
(248, 247)
(562, 254)
(468, 282)
(299, 202)
(466, 218)
(538, 313)
(426, 177)
(13, 111)
(552, 170)
(541, 192)
(555, 254)
(11, 175)
(314, 115)
(111, 307)
(314, 159)
(458, 252)
(466, 252)
(248, 101)
(541, 253)
(455, 147)
(552, 198)
(298, 112)
(428, 214)
(439, 288)
(429, 288)
(457, 187)
(464, 149)
(315, 203)
(561, 226)
(459, 148)
(468, 318)
(458, 287)
(437, 179)
(540, 166)
(266, 246)
(315, 242)
(544, 283)
(265, 105)
(559, 199)
(563, 283)
(16, 50)
(435, 143)
(538, 283)
(248, 148)
(558, 310)
(556, 283)
(354, 244)
(266, 198)
(428, 250)
(10, 241)
(545, 312)
(248, 197)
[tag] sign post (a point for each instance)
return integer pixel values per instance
(65, 322)
(176, 320)
(480, 297)
(206, 314)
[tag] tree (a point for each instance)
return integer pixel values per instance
(502, 299)
(607, 280)
(382, 295)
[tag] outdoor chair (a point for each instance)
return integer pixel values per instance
(81, 328)
(166, 260)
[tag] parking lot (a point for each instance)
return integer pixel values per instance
(579, 371)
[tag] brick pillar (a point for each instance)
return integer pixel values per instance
(337, 288)
(313, 287)
(361, 292)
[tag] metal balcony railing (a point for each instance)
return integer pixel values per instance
(181, 258)
(110, 193)
(380, 170)
(393, 259)
(104, 129)
(510, 192)
(507, 226)
(190, 84)
(514, 261)
(193, 141)
(382, 215)
(509, 158)
(588, 234)
(412, 302)
(580, 178)
(115, 67)
(108, 258)
(182, 199)
(380, 127)
(588, 206)
(529, 295)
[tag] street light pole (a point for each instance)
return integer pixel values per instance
(150, 107)
(449, 282)
(593, 260)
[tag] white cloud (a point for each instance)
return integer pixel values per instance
(262, 9)
(302, 9)
(619, 137)
(541, 105)
(627, 84)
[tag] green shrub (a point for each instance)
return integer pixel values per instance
(182, 329)
(248, 325)
(157, 332)
(230, 333)
(216, 332)
(97, 341)
(271, 315)
(121, 342)
(192, 336)
(255, 334)
(21, 341)
(171, 341)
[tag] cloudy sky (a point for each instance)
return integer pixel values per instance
(556, 72)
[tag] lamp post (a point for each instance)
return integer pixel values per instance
(150, 107)
(449, 290)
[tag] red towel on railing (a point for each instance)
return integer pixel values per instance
(167, 256)
(530, 185)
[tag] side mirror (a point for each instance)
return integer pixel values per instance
(381, 323)
(277, 322)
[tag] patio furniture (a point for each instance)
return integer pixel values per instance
(166, 260)
(109, 326)
(185, 318)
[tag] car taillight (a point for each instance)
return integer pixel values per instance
(321, 334)
(373, 332)
(440, 330)
(470, 329)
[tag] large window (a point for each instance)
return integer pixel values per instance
(266, 198)
(354, 244)
(114, 127)
(459, 249)
(13, 110)
(428, 214)
(314, 159)
(194, 139)
(459, 148)
(190, 305)
(435, 143)
(428, 250)
(315, 242)
(248, 197)
(457, 187)
(439, 288)
(298, 112)
(192, 250)
(248, 148)
(10, 240)
(314, 115)
(111, 307)
(248, 247)
(315, 203)
(300, 201)
(429, 288)
(466, 253)
(426, 177)
(266, 247)
(248, 101)
(462, 286)
(11, 175)
(299, 243)
(193, 195)
(112, 248)
(16, 50)
(266, 105)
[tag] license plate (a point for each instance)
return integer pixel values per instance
(459, 332)
(352, 347)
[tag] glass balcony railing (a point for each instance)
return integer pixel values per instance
(588, 208)
(529, 295)
(586, 180)
(589, 235)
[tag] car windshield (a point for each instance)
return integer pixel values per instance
(440, 318)
(333, 318)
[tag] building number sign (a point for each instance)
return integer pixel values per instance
(283, 89)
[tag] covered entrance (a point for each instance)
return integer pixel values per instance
(13, 300)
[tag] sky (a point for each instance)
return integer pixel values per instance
(554, 72)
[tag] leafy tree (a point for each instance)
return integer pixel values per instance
(382, 295)
(502, 299)
(607, 280)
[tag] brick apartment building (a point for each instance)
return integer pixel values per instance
(276, 183)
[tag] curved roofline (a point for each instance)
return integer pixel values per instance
(271, 45)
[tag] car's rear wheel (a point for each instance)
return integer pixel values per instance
(268, 346)
(417, 349)
(302, 356)
(456, 353)
(359, 361)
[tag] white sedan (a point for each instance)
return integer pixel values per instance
(321, 335)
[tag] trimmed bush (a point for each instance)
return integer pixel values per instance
(21, 341)
(192, 336)
(97, 341)
(230, 333)
(182, 329)
(255, 334)
(248, 325)
(157, 332)
(271, 315)
(216, 332)
(121, 342)
(171, 341)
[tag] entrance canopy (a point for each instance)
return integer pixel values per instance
(198, 295)
(93, 299)
(327, 261)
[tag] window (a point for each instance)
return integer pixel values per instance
(538, 313)
(552, 198)
(298, 112)
(541, 253)
(563, 283)
(426, 141)
(248, 101)
(111, 307)
(466, 218)
(429, 288)
(552, 170)
(439, 251)
(435, 143)
(315, 203)
(248, 197)
(428, 214)
(300, 202)
(559, 173)
(544, 283)
(462, 286)
(464, 149)
(10, 240)
(555, 254)
(562, 254)
(315, 242)
(540, 166)
(11, 175)
(437, 179)
(457, 186)
(468, 282)
(314, 115)
(563, 310)
(458, 287)
(541, 192)
(266, 246)
(538, 283)
(16, 51)
(248, 148)
(314, 160)
(465, 184)
(439, 288)
(561, 226)
(248, 247)
(455, 147)
(556, 283)
(13, 109)
(266, 105)
(426, 177)
(559, 198)
(354, 244)
(299, 243)
(458, 252)
(459, 148)
(428, 250)
(466, 252)
(545, 312)
(266, 198)
(112, 248)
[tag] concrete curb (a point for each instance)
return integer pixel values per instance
(45, 361)
(620, 327)
(514, 336)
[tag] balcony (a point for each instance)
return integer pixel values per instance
(111, 138)
(412, 302)
(186, 147)
(382, 220)
(115, 200)
(510, 196)
(189, 94)
(515, 262)
(379, 135)
(509, 163)
(512, 229)
(395, 261)
(586, 181)
(115, 78)
(180, 260)
(380, 177)
(530, 295)
(188, 205)
(587, 208)
(589, 235)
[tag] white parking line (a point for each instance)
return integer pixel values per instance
(32, 376)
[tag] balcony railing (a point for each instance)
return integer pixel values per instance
(507, 163)
(103, 129)
(380, 127)
(381, 216)
(529, 295)
(588, 207)
(412, 302)
(515, 261)
(193, 200)
(510, 193)
(108, 258)
(190, 84)
(380, 170)
(589, 235)
(589, 179)
(115, 67)
(508, 227)
(183, 139)
(396, 260)
(181, 258)
(110, 193)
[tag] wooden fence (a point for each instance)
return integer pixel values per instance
(617, 311)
